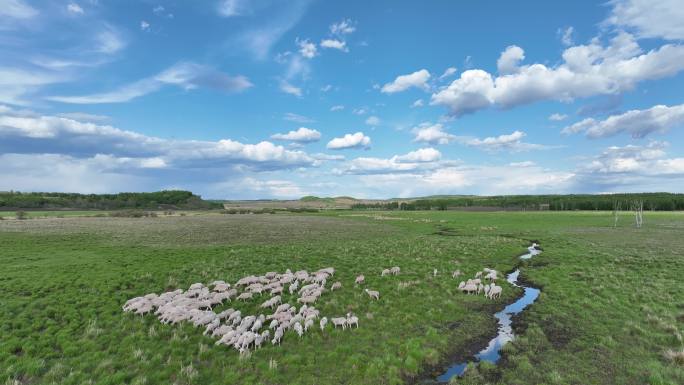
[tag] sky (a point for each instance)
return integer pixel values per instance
(239, 99)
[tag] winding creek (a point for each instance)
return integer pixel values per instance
(492, 352)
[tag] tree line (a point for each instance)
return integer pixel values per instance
(167, 199)
(651, 201)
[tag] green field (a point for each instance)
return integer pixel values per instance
(610, 312)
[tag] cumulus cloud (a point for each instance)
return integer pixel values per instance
(637, 123)
(186, 75)
(30, 134)
(335, 44)
(417, 103)
(288, 88)
(586, 70)
(511, 142)
(566, 35)
(416, 79)
(644, 160)
(432, 133)
(510, 59)
(306, 48)
(422, 155)
(373, 121)
(414, 161)
(349, 141)
(556, 117)
(448, 73)
(301, 135)
(344, 27)
(74, 8)
(338, 107)
(649, 19)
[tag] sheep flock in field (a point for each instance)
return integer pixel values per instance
(243, 332)
(475, 286)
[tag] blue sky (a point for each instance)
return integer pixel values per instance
(375, 99)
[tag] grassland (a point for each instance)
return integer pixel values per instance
(609, 311)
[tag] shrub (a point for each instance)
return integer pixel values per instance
(21, 214)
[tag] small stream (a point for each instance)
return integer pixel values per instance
(491, 353)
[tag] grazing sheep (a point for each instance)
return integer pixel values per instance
(480, 287)
(324, 321)
(486, 290)
(339, 321)
(434, 272)
(273, 325)
(373, 294)
(307, 299)
(456, 274)
(492, 276)
(308, 323)
(495, 292)
(278, 336)
(360, 280)
(385, 272)
(245, 296)
(336, 285)
(395, 270)
(277, 290)
(234, 314)
(294, 286)
(298, 328)
(352, 320)
(257, 325)
(478, 274)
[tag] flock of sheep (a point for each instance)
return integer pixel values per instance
(243, 332)
(233, 328)
(475, 286)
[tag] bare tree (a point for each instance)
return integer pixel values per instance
(638, 207)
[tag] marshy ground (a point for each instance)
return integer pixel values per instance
(610, 311)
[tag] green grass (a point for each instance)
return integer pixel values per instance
(609, 311)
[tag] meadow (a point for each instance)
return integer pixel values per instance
(610, 310)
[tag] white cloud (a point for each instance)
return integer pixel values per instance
(306, 48)
(326, 88)
(637, 123)
(648, 18)
(447, 73)
(302, 135)
(373, 121)
(417, 103)
(510, 59)
(565, 35)
(360, 111)
(348, 141)
(647, 160)
(144, 26)
(186, 75)
(338, 107)
(512, 142)
(282, 189)
(335, 44)
(109, 41)
(556, 117)
(230, 8)
(587, 70)
(292, 117)
(74, 8)
(23, 133)
(422, 155)
(416, 79)
(16, 84)
(330, 157)
(82, 116)
(344, 27)
(16, 9)
(526, 163)
(288, 88)
(432, 133)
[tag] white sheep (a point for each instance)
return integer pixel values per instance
(277, 336)
(434, 272)
(339, 321)
(352, 320)
(456, 274)
(298, 328)
(495, 292)
(373, 294)
(385, 272)
(360, 279)
(324, 321)
(309, 322)
(245, 296)
(395, 270)
(336, 285)
(478, 274)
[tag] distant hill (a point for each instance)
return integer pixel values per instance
(168, 199)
